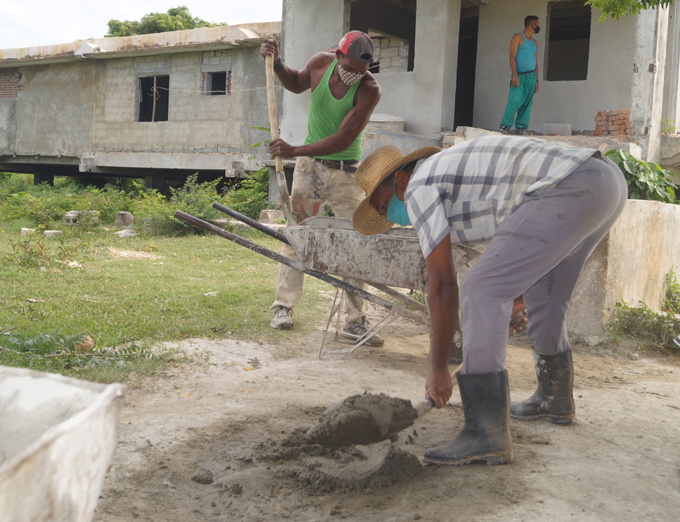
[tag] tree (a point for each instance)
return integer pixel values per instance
(617, 8)
(176, 19)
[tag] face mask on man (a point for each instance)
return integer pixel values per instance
(537, 29)
(396, 211)
(349, 78)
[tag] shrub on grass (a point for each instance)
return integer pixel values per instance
(644, 325)
(251, 195)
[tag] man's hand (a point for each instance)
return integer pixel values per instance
(515, 80)
(281, 148)
(270, 46)
(536, 88)
(439, 386)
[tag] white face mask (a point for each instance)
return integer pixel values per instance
(349, 78)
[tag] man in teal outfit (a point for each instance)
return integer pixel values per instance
(524, 83)
(344, 94)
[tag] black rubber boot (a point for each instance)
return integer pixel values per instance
(486, 433)
(553, 399)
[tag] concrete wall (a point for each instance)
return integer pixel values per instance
(629, 264)
(196, 123)
(79, 109)
(610, 63)
(54, 110)
(424, 97)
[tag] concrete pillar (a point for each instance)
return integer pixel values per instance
(43, 177)
(674, 71)
(450, 11)
(646, 110)
(307, 27)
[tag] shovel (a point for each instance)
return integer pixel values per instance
(274, 124)
(367, 419)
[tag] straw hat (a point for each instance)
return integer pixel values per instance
(377, 166)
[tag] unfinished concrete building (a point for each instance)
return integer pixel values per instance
(444, 63)
(158, 106)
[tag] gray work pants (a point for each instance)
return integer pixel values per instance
(538, 252)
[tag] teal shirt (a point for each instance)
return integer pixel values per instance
(326, 114)
(525, 59)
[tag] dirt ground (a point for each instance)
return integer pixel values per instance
(218, 442)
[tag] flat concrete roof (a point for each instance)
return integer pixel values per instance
(203, 39)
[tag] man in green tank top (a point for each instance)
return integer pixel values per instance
(344, 95)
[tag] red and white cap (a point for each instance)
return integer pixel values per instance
(356, 45)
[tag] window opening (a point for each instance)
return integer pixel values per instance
(218, 83)
(392, 25)
(154, 98)
(568, 46)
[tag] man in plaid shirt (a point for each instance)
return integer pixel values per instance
(542, 207)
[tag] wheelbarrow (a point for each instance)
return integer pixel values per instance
(329, 247)
(57, 436)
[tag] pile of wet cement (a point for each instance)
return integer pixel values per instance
(398, 465)
(362, 419)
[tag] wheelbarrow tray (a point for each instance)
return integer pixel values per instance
(57, 436)
(393, 258)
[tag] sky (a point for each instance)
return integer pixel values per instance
(28, 23)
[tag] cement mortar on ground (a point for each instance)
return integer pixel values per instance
(363, 419)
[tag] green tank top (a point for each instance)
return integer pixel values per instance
(326, 114)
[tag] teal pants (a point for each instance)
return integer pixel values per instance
(520, 101)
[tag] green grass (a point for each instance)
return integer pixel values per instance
(117, 300)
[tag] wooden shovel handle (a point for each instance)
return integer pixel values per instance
(271, 102)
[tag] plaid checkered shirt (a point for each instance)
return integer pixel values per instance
(469, 189)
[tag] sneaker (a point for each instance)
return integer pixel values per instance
(521, 132)
(356, 330)
(504, 130)
(283, 318)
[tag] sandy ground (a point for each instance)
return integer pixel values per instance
(216, 442)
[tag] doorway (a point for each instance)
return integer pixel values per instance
(467, 64)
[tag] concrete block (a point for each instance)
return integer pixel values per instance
(126, 233)
(389, 52)
(473, 132)
(388, 70)
(124, 219)
(557, 129)
(451, 140)
(53, 233)
(27, 231)
(271, 216)
(72, 216)
(386, 122)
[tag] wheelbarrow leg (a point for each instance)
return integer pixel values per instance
(334, 310)
(373, 331)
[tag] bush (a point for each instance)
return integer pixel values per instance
(252, 195)
(644, 325)
(646, 180)
(195, 199)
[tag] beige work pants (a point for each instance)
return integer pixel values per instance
(313, 185)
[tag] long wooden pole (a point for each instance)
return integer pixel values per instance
(155, 92)
(274, 124)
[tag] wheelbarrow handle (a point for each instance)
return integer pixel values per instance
(245, 219)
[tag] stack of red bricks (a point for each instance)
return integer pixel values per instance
(9, 83)
(612, 123)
